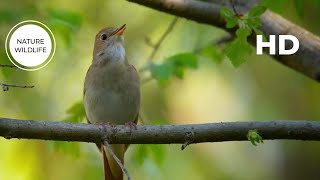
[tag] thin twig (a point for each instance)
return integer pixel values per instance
(124, 170)
(148, 42)
(234, 8)
(5, 87)
(162, 38)
(159, 42)
(9, 66)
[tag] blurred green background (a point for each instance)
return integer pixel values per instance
(260, 89)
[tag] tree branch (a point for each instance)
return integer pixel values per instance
(155, 47)
(158, 134)
(306, 60)
(5, 87)
(8, 66)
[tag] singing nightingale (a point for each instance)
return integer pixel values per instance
(111, 92)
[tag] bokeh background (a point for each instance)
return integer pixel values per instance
(260, 89)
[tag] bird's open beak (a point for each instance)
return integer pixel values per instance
(120, 30)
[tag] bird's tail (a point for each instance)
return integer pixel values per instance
(112, 171)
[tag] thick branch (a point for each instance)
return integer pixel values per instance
(306, 60)
(158, 134)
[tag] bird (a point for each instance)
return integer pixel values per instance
(111, 92)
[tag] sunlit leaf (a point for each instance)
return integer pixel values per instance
(239, 49)
(64, 23)
(227, 13)
(213, 53)
(67, 18)
(229, 16)
(243, 33)
(256, 11)
(254, 137)
(173, 66)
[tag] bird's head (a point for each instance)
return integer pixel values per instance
(109, 45)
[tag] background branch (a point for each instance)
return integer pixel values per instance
(5, 87)
(158, 134)
(8, 66)
(158, 43)
(162, 38)
(306, 60)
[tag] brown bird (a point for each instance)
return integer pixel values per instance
(111, 92)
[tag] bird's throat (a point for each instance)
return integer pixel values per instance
(115, 53)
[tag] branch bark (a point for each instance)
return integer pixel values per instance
(158, 134)
(306, 60)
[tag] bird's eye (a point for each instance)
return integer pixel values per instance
(103, 37)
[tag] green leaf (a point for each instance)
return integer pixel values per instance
(229, 16)
(257, 11)
(252, 19)
(227, 13)
(161, 72)
(76, 113)
(239, 49)
(64, 23)
(70, 148)
(142, 152)
(253, 22)
(173, 66)
(213, 53)
(232, 23)
(184, 60)
(66, 18)
(254, 137)
(243, 33)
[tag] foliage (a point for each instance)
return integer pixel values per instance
(75, 113)
(70, 148)
(65, 23)
(239, 49)
(213, 53)
(254, 137)
(173, 66)
(145, 151)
